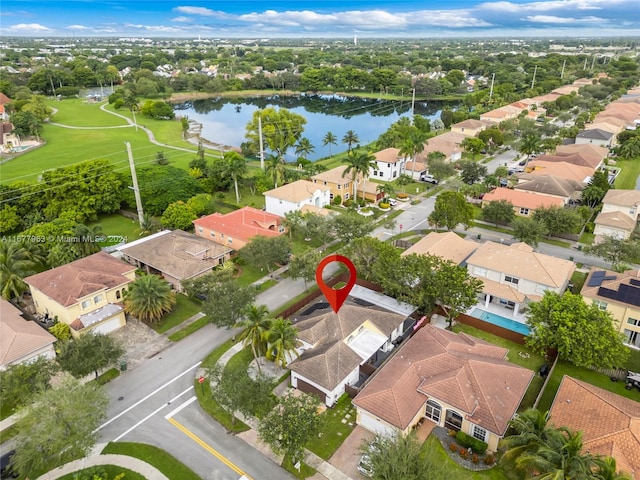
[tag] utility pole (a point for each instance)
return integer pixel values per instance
(594, 61)
(533, 81)
(493, 78)
(563, 65)
(260, 140)
(413, 104)
(585, 63)
(136, 190)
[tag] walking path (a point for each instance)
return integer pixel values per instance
(143, 468)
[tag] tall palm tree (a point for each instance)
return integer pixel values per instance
(329, 139)
(350, 138)
(304, 148)
(530, 144)
(274, 169)
(386, 189)
(236, 167)
(87, 237)
(531, 432)
(17, 260)
(256, 323)
(365, 161)
(353, 168)
(149, 298)
(412, 146)
(282, 338)
(606, 469)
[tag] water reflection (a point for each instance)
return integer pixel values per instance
(224, 120)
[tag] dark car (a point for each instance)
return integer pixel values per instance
(5, 465)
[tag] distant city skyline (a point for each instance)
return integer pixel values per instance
(320, 18)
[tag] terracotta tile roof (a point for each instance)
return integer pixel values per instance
(552, 185)
(323, 212)
(607, 126)
(616, 219)
(296, 191)
(467, 373)
(179, 254)
(19, 337)
(570, 171)
(330, 359)
(242, 224)
(606, 119)
(521, 198)
(588, 154)
(567, 89)
(4, 99)
(502, 290)
(68, 283)
(469, 123)
(610, 423)
(611, 281)
(388, 155)
(519, 260)
(446, 245)
(335, 175)
(623, 198)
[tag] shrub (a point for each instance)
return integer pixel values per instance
(348, 202)
(402, 195)
(453, 447)
(451, 433)
(475, 458)
(463, 452)
(384, 205)
(337, 200)
(489, 459)
(468, 441)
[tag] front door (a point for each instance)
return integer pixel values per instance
(453, 420)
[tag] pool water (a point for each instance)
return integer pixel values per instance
(501, 321)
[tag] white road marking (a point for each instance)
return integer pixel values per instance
(152, 414)
(184, 405)
(419, 223)
(147, 397)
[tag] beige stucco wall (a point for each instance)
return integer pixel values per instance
(620, 313)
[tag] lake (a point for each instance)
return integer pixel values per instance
(224, 120)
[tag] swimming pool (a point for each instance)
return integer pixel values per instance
(501, 321)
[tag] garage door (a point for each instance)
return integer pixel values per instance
(372, 424)
(108, 326)
(308, 388)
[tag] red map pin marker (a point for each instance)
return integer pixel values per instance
(336, 297)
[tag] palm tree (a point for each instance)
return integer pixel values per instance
(282, 338)
(17, 260)
(275, 169)
(365, 161)
(353, 168)
(236, 167)
(329, 139)
(256, 323)
(386, 189)
(530, 144)
(149, 298)
(531, 431)
(87, 238)
(350, 138)
(606, 469)
(149, 225)
(304, 148)
(413, 146)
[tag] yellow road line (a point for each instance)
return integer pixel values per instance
(204, 445)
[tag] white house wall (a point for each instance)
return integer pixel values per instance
(331, 395)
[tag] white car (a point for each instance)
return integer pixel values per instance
(393, 202)
(365, 467)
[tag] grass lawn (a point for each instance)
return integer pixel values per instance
(111, 471)
(630, 170)
(587, 238)
(79, 113)
(633, 362)
(578, 279)
(306, 471)
(189, 329)
(118, 225)
(334, 431)
(586, 375)
(183, 309)
(167, 464)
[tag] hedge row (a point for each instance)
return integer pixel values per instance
(478, 446)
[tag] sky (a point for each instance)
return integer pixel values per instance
(320, 18)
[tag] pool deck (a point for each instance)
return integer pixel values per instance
(501, 312)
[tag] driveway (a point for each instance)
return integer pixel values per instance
(346, 458)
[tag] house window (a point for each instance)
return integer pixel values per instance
(230, 240)
(633, 321)
(375, 173)
(512, 280)
(524, 211)
(433, 411)
(86, 304)
(331, 196)
(453, 420)
(346, 196)
(118, 295)
(199, 229)
(213, 234)
(632, 338)
(339, 186)
(600, 304)
(479, 433)
(479, 271)
(97, 299)
(395, 174)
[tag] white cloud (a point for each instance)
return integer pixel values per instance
(546, 6)
(566, 20)
(27, 27)
(182, 19)
(77, 27)
(202, 11)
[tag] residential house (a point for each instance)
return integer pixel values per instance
(341, 185)
(448, 143)
(469, 127)
(22, 341)
(85, 294)
(389, 165)
(524, 203)
(619, 215)
(500, 114)
(176, 255)
(608, 422)
(549, 185)
(513, 275)
(454, 380)
(237, 228)
(590, 155)
(569, 171)
(417, 169)
(446, 245)
(618, 294)
(294, 196)
(595, 136)
(338, 348)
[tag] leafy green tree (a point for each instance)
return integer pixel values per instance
(236, 168)
(87, 239)
(17, 261)
(149, 298)
(290, 425)
(317, 226)
(161, 159)
(265, 252)
(582, 334)
(59, 426)
(473, 145)
(20, 383)
(630, 149)
(366, 253)
(304, 267)
(615, 250)
(89, 353)
(61, 330)
(354, 165)
(530, 144)
(201, 204)
(178, 216)
(606, 469)
(455, 290)
(225, 299)
(329, 139)
(472, 172)
(281, 129)
(450, 210)
(9, 218)
(396, 456)
(282, 341)
(350, 138)
(498, 212)
(26, 123)
(492, 137)
(440, 169)
(349, 226)
(596, 189)
(255, 324)
(529, 231)
(558, 220)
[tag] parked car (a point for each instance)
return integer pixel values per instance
(429, 179)
(364, 466)
(393, 202)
